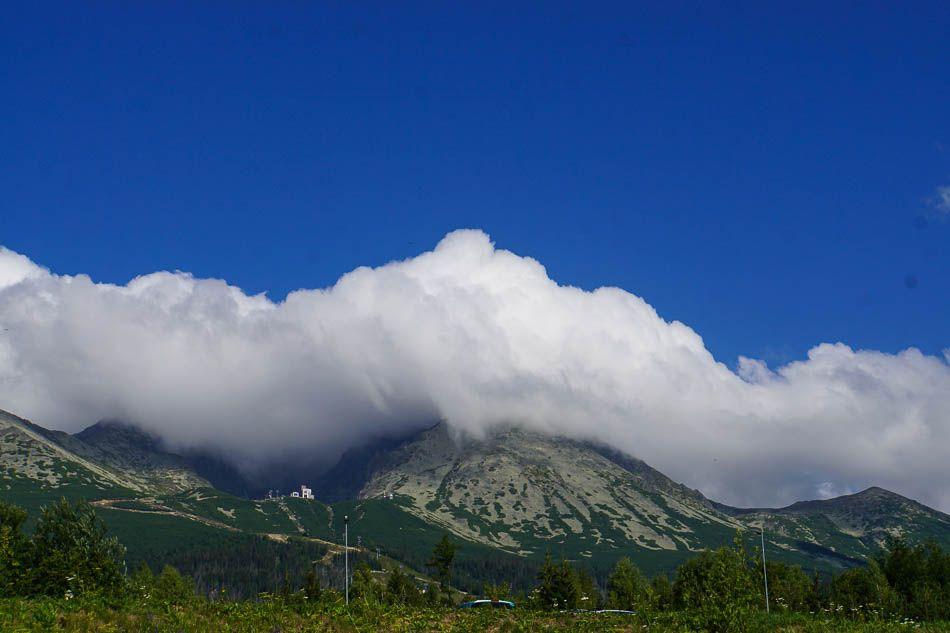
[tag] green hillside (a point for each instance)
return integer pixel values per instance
(509, 500)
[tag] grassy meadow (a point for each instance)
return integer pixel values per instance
(276, 615)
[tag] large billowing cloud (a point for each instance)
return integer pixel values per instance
(478, 337)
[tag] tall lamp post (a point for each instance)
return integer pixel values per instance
(346, 557)
(765, 573)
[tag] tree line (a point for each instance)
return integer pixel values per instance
(725, 586)
(70, 554)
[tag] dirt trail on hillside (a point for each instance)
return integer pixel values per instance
(282, 504)
(160, 509)
(333, 549)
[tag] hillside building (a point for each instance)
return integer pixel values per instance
(305, 493)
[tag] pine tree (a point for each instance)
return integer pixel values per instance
(400, 588)
(364, 586)
(441, 560)
(311, 587)
(627, 588)
(557, 585)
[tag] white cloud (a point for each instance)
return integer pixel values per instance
(942, 202)
(477, 336)
(14, 268)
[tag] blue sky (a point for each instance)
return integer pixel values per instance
(768, 177)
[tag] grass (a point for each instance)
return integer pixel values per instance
(19, 615)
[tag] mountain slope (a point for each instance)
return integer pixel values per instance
(523, 492)
(513, 495)
(528, 493)
(122, 469)
(854, 525)
(128, 448)
(30, 454)
(58, 460)
(162, 510)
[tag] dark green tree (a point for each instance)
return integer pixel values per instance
(286, 588)
(434, 596)
(13, 550)
(400, 588)
(173, 588)
(588, 594)
(864, 590)
(142, 581)
(72, 554)
(557, 586)
(311, 587)
(661, 593)
(790, 588)
(627, 588)
(364, 587)
(718, 588)
(441, 560)
(920, 576)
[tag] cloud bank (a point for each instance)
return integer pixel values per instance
(477, 336)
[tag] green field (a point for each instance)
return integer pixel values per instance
(19, 615)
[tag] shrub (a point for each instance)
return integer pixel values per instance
(920, 577)
(71, 554)
(588, 595)
(364, 587)
(142, 582)
(170, 586)
(311, 588)
(718, 587)
(790, 588)
(13, 550)
(863, 592)
(627, 588)
(400, 588)
(501, 591)
(173, 588)
(661, 593)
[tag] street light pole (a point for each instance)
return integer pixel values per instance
(765, 573)
(346, 557)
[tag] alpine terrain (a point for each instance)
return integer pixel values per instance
(509, 498)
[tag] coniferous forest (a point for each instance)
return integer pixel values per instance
(69, 573)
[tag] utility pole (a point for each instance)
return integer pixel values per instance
(765, 573)
(346, 557)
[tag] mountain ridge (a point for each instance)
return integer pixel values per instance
(515, 492)
(118, 454)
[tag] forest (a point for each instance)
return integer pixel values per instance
(70, 574)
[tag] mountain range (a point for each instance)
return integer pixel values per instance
(511, 497)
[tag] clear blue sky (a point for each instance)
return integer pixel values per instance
(765, 176)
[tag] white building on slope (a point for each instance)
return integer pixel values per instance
(305, 493)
